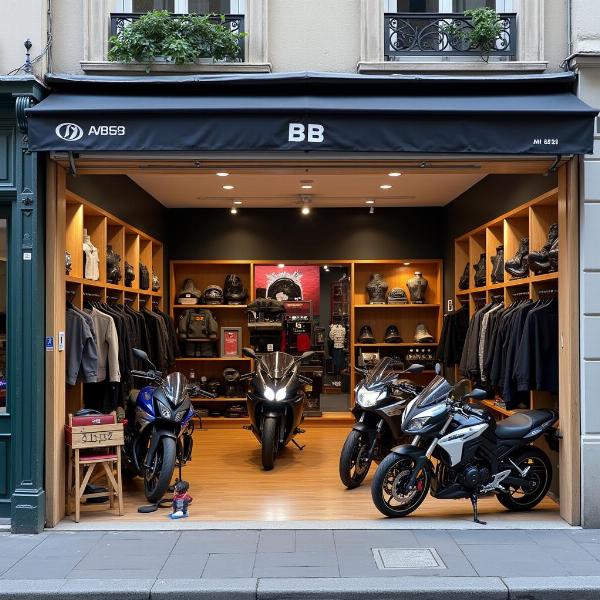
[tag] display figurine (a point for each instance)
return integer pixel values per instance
(181, 500)
(417, 286)
(377, 288)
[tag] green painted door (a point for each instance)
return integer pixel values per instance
(6, 475)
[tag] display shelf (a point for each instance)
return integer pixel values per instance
(493, 406)
(212, 306)
(395, 306)
(554, 276)
(111, 286)
(212, 359)
(397, 345)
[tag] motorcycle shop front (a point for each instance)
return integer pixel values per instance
(103, 136)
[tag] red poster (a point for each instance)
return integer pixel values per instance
(230, 343)
(291, 282)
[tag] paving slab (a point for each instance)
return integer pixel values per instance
(205, 589)
(188, 566)
(314, 558)
(286, 572)
(442, 588)
(38, 568)
(315, 540)
(225, 566)
(491, 536)
(355, 540)
(119, 560)
(111, 574)
(212, 542)
(276, 541)
(553, 588)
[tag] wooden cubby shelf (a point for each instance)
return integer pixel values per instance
(531, 220)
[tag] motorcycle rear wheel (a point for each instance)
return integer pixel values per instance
(269, 440)
(353, 465)
(386, 489)
(540, 471)
(156, 482)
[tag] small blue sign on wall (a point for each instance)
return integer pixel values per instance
(49, 344)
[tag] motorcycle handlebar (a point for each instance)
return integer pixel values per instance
(304, 379)
(246, 376)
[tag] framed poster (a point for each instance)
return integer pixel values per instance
(231, 342)
(289, 283)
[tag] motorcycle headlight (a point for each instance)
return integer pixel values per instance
(269, 393)
(416, 424)
(165, 412)
(368, 398)
(281, 394)
(180, 414)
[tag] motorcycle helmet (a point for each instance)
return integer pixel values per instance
(284, 289)
(129, 274)
(189, 294)
(234, 290)
(365, 335)
(422, 334)
(392, 335)
(397, 296)
(213, 294)
(214, 386)
(231, 374)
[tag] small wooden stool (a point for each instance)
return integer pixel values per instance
(94, 440)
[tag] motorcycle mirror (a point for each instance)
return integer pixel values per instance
(249, 353)
(141, 355)
(477, 394)
(307, 354)
(438, 369)
(415, 368)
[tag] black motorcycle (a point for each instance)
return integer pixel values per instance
(158, 433)
(275, 401)
(475, 456)
(380, 401)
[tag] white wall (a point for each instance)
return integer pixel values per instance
(555, 33)
(314, 35)
(586, 25)
(68, 31)
(19, 20)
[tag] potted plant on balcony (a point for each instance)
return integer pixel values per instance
(482, 31)
(159, 36)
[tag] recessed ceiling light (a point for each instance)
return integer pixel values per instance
(233, 210)
(369, 201)
(394, 174)
(237, 201)
(306, 210)
(371, 210)
(386, 186)
(280, 266)
(231, 187)
(222, 174)
(407, 264)
(307, 187)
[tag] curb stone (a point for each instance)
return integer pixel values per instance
(553, 588)
(90, 589)
(30, 589)
(204, 589)
(384, 588)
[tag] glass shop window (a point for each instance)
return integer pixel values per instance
(3, 302)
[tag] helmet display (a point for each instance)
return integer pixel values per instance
(155, 282)
(392, 335)
(365, 335)
(397, 296)
(283, 289)
(214, 386)
(234, 290)
(233, 387)
(189, 293)
(113, 265)
(213, 294)
(422, 334)
(129, 274)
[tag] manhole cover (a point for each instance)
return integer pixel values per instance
(408, 558)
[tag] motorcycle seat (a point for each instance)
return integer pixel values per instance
(520, 424)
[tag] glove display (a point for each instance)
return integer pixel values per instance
(422, 334)
(377, 288)
(463, 282)
(479, 268)
(365, 335)
(417, 286)
(539, 262)
(213, 294)
(233, 290)
(392, 335)
(189, 293)
(518, 265)
(498, 265)
(129, 275)
(113, 265)
(397, 296)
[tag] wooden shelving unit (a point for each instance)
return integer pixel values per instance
(531, 220)
(126, 240)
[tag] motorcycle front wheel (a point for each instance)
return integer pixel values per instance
(157, 477)
(387, 488)
(269, 440)
(354, 460)
(539, 473)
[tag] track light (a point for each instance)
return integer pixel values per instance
(371, 210)
(305, 205)
(233, 210)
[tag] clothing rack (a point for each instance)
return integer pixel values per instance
(112, 298)
(520, 295)
(498, 298)
(92, 295)
(547, 292)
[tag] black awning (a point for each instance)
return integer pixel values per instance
(537, 114)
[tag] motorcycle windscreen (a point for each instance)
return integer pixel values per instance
(174, 388)
(381, 375)
(277, 364)
(436, 391)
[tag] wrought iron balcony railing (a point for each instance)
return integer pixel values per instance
(442, 34)
(235, 23)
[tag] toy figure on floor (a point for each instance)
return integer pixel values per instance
(181, 500)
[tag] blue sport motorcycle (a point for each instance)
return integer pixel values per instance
(158, 434)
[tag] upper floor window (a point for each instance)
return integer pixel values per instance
(444, 6)
(201, 7)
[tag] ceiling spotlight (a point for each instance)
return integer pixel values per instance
(233, 210)
(305, 205)
(371, 210)
(238, 202)
(386, 186)
(306, 210)
(394, 174)
(222, 174)
(231, 187)
(280, 266)
(369, 201)
(307, 187)
(406, 264)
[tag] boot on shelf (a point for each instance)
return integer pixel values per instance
(498, 265)
(463, 282)
(518, 265)
(539, 262)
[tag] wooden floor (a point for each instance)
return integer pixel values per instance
(228, 484)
